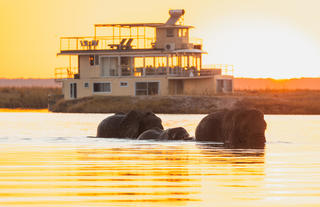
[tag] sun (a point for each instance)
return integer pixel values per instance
(262, 48)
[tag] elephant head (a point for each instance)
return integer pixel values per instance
(244, 128)
(178, 133)
(148, 121)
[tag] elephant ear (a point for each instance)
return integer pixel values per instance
(129, 126)
(148, 121)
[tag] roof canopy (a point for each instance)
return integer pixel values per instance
(156, 25)
(175, 15)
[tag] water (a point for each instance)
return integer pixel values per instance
(47, 159)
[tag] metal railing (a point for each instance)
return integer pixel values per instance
(177, 72)
(103, 42)
(62, 73)
(65, 73)
(226, 69)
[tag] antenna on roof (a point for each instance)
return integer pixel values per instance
(175, 16)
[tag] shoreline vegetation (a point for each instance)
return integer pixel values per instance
(26, 97)
(268, 101)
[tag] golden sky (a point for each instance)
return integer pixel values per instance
(261, 38)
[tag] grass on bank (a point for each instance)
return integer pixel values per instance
(26, 97)
(282, 101)
(268, 101)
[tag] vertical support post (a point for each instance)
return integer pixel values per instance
(78, 64)
(167, 64)
(138, 37)
(112, 34)
(172, 61)
(70, 71)
(131, 61)
(144, 66)
(133, 66)
(196, 57)
(188, 59)
(144, 37)
(119, 66)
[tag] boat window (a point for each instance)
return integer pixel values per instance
(96, 59)
(170, 33)
(123, 84)
(101, 87)
(183, 33)
(147, 88)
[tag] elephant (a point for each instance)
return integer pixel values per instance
(237, 128)
(178, 133)
(129, 125)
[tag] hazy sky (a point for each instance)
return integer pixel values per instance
(261, 38)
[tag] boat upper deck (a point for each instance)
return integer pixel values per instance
(169, 36)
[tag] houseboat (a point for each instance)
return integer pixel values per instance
(140, 59)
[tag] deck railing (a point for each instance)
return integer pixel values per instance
(65, 73)
(72, 73)
(103, 42)
(226, 69)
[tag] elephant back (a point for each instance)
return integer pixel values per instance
(153, 133)
(110, 126)
(210, 127)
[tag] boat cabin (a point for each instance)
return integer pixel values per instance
(140, 59)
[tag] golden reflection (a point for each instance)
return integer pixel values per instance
(178, 175)
(234, 170)
(24, 110)
(77, 171)
(143, 174)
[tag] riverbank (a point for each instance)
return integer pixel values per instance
(268, 101)
(26, 97)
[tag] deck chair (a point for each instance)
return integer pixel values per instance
(128, 46)
(119, 46)
(84, 43)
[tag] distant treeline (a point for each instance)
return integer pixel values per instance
(28, 97)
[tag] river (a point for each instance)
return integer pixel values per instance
(51, 159)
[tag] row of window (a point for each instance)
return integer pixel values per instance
(141, 88)
(181, 32)
(103, 87)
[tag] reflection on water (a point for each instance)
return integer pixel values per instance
(66, 168)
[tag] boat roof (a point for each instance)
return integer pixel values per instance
(157, 25)
(133, 52)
